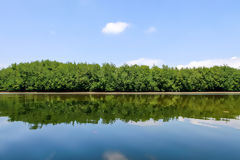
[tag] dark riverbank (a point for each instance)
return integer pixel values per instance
(129, 93)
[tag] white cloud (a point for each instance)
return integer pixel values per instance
(151, 30)
(232, 62)
(145, 61)
(114, 156)
(115, 28)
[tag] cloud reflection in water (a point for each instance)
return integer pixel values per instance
(114, 156)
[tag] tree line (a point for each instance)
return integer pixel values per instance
(40, 110)
(56, 76)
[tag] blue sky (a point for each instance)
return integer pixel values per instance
(173, 32)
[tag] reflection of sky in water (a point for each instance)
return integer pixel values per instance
(185, 137)
(119, 127)
(233, 123)
(3, 121)
(150, 122)
(114, 156)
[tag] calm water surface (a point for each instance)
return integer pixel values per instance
(119, 127)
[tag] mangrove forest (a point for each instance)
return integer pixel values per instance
(56, 76)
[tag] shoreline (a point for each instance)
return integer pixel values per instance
(128, 93)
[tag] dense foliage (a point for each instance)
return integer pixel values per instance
(55, 76)
(39, 110)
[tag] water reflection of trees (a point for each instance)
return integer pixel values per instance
(40, 110)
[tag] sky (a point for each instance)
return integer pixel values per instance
(178, 33)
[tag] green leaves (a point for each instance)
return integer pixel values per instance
(55, 76)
